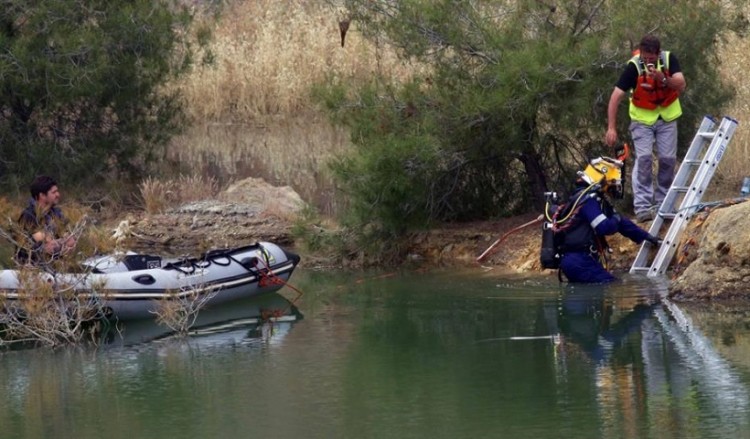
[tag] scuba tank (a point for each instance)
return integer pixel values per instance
(558, 220)
(551, 239)
(550, 256)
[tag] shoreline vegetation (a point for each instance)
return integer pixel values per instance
(253, 109)
(253, 112)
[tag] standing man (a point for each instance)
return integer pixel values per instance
(654, 79)
(42, 222)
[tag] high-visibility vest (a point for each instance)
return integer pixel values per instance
(649, 99)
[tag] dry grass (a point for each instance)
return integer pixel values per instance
(735, 165)
(49, 313)
(160, 195)
(90, 238)
(269, 53)
(179, 312)
(252, 110)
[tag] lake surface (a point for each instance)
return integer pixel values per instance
(432, 355)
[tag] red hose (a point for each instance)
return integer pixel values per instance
(510, 232)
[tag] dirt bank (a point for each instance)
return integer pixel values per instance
(253, 210)
(205, 225)
(517, 252)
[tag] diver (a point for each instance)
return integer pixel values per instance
(580, 225)
(600, 322)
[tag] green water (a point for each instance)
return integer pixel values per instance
(437, 355)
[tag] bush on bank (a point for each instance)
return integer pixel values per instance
(83, 91)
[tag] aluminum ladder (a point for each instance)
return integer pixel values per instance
(698, 165)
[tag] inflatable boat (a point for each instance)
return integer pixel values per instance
(131, 286)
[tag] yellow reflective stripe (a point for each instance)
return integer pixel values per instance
(649, 117)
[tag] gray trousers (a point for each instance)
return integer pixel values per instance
(659, 138)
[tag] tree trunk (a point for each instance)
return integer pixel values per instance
(537, 178)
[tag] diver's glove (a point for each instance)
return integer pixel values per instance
(655, 240)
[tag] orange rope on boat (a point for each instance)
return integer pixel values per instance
(266, 278)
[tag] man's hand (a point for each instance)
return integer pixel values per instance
(611, 137)
(68, 244)
(60, 246)
(655, 240)
(617, 96)
(52, 247)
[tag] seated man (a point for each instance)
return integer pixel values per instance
(588, 217)
(42, 222)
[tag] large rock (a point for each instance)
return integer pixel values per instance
(249, 210)
(721, 263)
(281, 201)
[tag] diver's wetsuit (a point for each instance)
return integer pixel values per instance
(595, 218)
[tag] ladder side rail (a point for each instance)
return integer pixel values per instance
(668, 248)
(687, 167)
(641, 258)
(708, 166)
(692, 199)
(701, 137)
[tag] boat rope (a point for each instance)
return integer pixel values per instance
(260, 265)
(189, 265)
(268, 277)
(216, 256)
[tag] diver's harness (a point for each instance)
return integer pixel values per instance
(562, 224)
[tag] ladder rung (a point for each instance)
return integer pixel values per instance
(637, 269)
(666, 215)
(693, 162)
(707, 134)
(681, 188)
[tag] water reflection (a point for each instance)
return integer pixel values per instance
(230, 322)
(599, 322)
(701, 367)
(655, 373)
(408, 356)
(143, 383)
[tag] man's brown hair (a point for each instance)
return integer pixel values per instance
(650, 44)
(41, 185)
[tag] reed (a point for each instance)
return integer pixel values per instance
(251, 110)
(159, 195)
(735, 56)
(268, 54)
